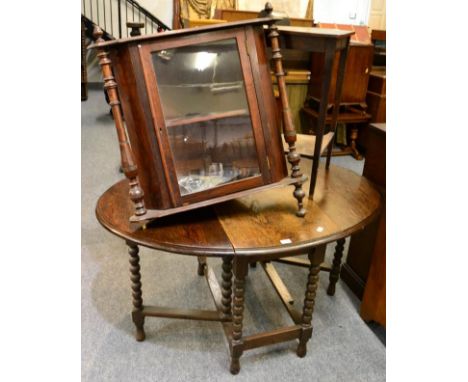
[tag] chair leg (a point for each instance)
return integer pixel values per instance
(336, 267)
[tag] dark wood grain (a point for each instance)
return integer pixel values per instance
(237, 344)
(226, 286)
(272, 337)
(155, 187)
(263, 83)
(199, 200)
(253, 225)
(357, 69)
(344, 202)
(368, 246)
(373, 305)
(128, 164)
(187, 314)
(135, 277)
(197, 232)
(336, 267)
(289, 132)
(248, 229)
(309, 302)
(141, 132)
(179, 33)
(238, 15)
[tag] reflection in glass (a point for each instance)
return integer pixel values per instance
(206, 114)
(200, 79)
(211, 153)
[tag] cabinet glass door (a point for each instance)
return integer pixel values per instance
(206, 113)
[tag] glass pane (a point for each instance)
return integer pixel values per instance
(211, 153)
(200, 80)
(205, 108)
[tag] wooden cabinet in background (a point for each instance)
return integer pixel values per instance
(376, 103)
(240, 15)
(364, 271)
(357, 69)
(356, 78)
(376, 96)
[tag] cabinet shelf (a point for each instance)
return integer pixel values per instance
(204, 118)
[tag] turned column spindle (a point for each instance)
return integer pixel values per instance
(135, 277)
(288, 127)
(128, 162)
(336, 267)
(308, 309)
(226, 286)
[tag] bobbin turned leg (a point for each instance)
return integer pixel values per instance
(226, 286)
(135, 277)
(336, 267)
(237, 345)
(309, 302)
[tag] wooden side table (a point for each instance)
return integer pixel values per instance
(261, 227)
(329, 42)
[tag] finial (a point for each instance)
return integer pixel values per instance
(135, 28)
(281, 17)
(97, 34)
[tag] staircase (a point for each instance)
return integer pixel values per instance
(112, 17)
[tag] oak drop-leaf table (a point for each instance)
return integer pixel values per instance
(260, 228)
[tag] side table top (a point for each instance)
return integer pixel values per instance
(261, 224)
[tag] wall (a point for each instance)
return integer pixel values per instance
(162, 9)
(293, 8)
(355, 12)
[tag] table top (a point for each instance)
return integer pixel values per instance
(261, 225)
(315, 32)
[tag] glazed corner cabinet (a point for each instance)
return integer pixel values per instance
(195, 115)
